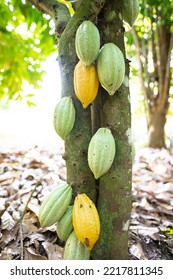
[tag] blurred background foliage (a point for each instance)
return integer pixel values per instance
(26, 40)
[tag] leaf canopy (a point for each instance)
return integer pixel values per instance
(26, 40)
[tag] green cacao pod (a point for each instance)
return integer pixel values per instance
(74, 249)
(55, 205)
(65, 226)
(64, 117)
(110, 67)
(101, 152)
(87, 42)
(130, 11)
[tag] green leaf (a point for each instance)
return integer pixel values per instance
(25, 42)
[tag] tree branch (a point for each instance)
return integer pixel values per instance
(45, 6)
(167, 76)
(25, 208)
(138, 55)
(56, 10)
(154, 53)
(141, 70)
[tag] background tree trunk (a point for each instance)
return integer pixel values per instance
(153, 50)
(157, 122)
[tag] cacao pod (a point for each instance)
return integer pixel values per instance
(74, 249)
(87, 42)
(64, 117)
(85, 83)
(130, 11)
(101, 152)
(64, 227)
(55, 205)
(86, 220)
(110, 67)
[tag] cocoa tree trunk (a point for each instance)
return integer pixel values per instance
(112, 193)
(115, 187)
(114, 199)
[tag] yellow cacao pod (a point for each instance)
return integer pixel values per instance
(85, 83)
(74, 249)
(101, 151)
(87, 42)
(86, 220)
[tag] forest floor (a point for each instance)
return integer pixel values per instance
(27, 176)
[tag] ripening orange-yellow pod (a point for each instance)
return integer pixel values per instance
(86, 220)
(86, 83)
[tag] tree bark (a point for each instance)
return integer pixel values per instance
(160, 105)
(156, 129)
(114, 199)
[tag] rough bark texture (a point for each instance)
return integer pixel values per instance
(156, 129)
(114, 200)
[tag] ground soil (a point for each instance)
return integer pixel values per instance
(27, 176)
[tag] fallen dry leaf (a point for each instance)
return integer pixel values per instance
(21, 171)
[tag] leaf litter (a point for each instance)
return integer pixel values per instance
(151, 228)
(27, 176)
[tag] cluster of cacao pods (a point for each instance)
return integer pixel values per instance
(77, 224)
(105, 65)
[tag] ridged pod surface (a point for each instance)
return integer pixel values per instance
(86, 220)
(130, 11)
(55, 205)
(101, 152)
(87, 42)
(74, 249)
(86, 83)
(64, 117)
(64, 227)
(110, 67)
